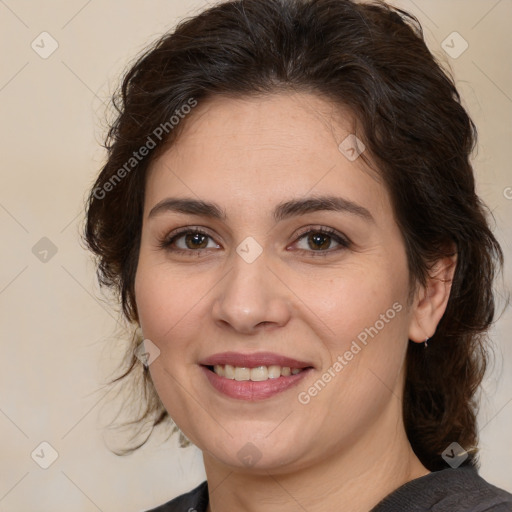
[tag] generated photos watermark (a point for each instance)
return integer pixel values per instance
(146, 352)
(454, 455)
(158, 134)
(343, 360)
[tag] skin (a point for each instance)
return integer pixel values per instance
(347, 444)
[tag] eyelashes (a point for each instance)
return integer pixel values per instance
(195, 241)
(316, 235)
(197, 235)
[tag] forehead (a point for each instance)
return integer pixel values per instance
(265, 148)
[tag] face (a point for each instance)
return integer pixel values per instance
(282, 264)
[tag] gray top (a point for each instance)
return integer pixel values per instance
(448, 490)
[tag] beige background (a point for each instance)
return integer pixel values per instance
(58, 333)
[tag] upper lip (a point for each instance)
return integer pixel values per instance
(253, 360)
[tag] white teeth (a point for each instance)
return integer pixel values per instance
(274, 371)
(242, 373)
(229, 371)
(258, 374)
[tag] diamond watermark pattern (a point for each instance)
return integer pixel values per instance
(454, 45)
(351, 147)
(44, 250)
(249, 455)
(44, 455)
(249, 250)
(454, 455)
(147, 352)
(44, 45)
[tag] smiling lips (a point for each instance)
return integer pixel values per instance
(253, 376)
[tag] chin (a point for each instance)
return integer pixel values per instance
(258, 455)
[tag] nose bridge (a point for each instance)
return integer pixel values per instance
(251, 293)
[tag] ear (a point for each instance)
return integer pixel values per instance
(430, 300)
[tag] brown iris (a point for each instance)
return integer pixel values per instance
(197, 240)
(316, 238)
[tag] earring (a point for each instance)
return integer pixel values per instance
(426, 339)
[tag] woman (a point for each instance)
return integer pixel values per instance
(288, 213)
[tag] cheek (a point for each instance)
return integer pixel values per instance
(164, 299)
(168, 306)
(366, 313)
(356, 299)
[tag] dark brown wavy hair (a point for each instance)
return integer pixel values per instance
(367, 57)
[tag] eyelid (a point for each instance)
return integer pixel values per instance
(188, 229)
(320, 229)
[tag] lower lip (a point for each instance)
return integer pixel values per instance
(249, 390)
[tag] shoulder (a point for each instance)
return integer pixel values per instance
(195, 500)
(454, 490)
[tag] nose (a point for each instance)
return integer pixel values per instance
(251, 297)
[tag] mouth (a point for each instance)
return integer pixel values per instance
(253, 376)
(257, 374)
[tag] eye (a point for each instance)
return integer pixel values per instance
(317, 241)
(187, 241)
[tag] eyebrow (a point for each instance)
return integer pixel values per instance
(322, 203)
(292, 208)
(188, 206)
